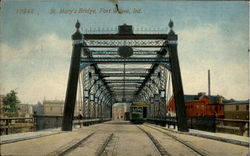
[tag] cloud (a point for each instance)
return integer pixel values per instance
(206, 47)
(47, 43)
(37, 68)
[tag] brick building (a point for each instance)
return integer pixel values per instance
(199, 105)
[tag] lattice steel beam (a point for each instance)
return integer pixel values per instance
(125, 37)
(115, 52)
(122, 81)
(141, 70)
(118, 43)
(97, 70)
(122, 89)
(127, 60)
(121, 84)
(129, 87)
(121, 94)
(126, 74)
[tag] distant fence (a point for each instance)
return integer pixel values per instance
(40, 122)
(234, 126)
(46, 122)
(202, 123)
(210, 124)
(16, 125)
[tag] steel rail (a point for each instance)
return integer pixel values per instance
(103, 147)
(69, 147)
(193, 148)
(158, 146)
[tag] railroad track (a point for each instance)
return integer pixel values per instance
(70, 146)
(101, 150)
(158, 146)
(74, 144)
(190, 146)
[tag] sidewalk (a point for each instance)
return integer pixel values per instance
(27, 135)
(230, 138)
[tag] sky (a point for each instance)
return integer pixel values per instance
(35, 47)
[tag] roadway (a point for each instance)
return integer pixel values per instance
(121, 138)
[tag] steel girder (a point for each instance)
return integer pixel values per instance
(126, 75)
(126, 60)
(126, 81)
(125, 36)
(139, 70)
(135, 52)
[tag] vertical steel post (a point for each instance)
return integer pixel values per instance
(70, 98)
(209, 85)
(111, 109)
(176, 81)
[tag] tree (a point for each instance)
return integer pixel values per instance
(10, 103)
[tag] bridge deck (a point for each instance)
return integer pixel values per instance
(120, 138)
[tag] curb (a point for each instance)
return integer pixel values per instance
(232, 141)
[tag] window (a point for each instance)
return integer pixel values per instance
(237, 107)
(51, 108)
(202, 107)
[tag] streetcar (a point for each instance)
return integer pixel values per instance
(138, 112)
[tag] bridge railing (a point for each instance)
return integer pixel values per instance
(28, 124)
(234, 126)
(87, 122)
(16, 125)
(49, 121)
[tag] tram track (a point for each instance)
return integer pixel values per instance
(69, 148)
(158, 146)
(101, 150)
(63, 150)
(190, 146)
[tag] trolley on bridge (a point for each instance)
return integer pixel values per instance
(138, 113)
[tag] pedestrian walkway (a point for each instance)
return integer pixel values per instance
(27, 135)
(230, 138)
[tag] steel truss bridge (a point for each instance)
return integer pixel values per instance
(124, 67)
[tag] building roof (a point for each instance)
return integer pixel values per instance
(119, 104)
(212, 98)
(236, 102)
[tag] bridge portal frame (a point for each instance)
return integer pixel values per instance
(170, 47)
